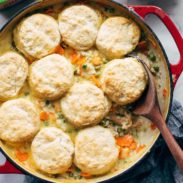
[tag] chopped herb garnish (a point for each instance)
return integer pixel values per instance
(152, 57)
(105, 61)
(84, 66)
(120, 131)
(26, 93)
(143, 35)
(77, 169)
(61, 117)
(47, 102)
(105, 122)
(120, 115)
(71, 174)
(156, 68)
(46, 123)
(109, 9)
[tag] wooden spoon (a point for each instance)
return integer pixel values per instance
(148, 106)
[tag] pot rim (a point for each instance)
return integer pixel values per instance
(131, 11)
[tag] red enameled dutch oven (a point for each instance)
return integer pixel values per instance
(137, 13)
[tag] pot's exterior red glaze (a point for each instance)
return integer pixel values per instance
(145, 10)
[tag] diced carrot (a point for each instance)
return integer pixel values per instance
(57, 107)
(113, 170)
(165, 92)
(86, 175)
(143, 45)
(95, 81)
(125, 141)
(21, 156)
(133, 146)
(74, 57)
(139, 148)
(80, 70)
(81, 61)
(153, 126)
(44, 116)
(52, 116)
(96, 61)
(59, 50)
(124, 153)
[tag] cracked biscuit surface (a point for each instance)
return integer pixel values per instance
(19, 121)
(79, 26)
(52, 150)
(51, 76)
(85, 104)
(37, 36)
(123, 80)
(95, 150)
(117, 37)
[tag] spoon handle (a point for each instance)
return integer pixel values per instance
(173, 146)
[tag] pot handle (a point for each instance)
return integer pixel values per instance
(6, 167)
(145, 10)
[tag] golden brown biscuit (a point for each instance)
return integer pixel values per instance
(95, 150)
(19, 121)
(117, 37)
(13, 73)
(79, 26)
(123, 80)
(37, 36)
(51, 77)
(84, 104)
(52, 150)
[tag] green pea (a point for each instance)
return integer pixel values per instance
(152, 57)
(156, 68)
(84, 66)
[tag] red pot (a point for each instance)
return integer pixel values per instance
(138, 13)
